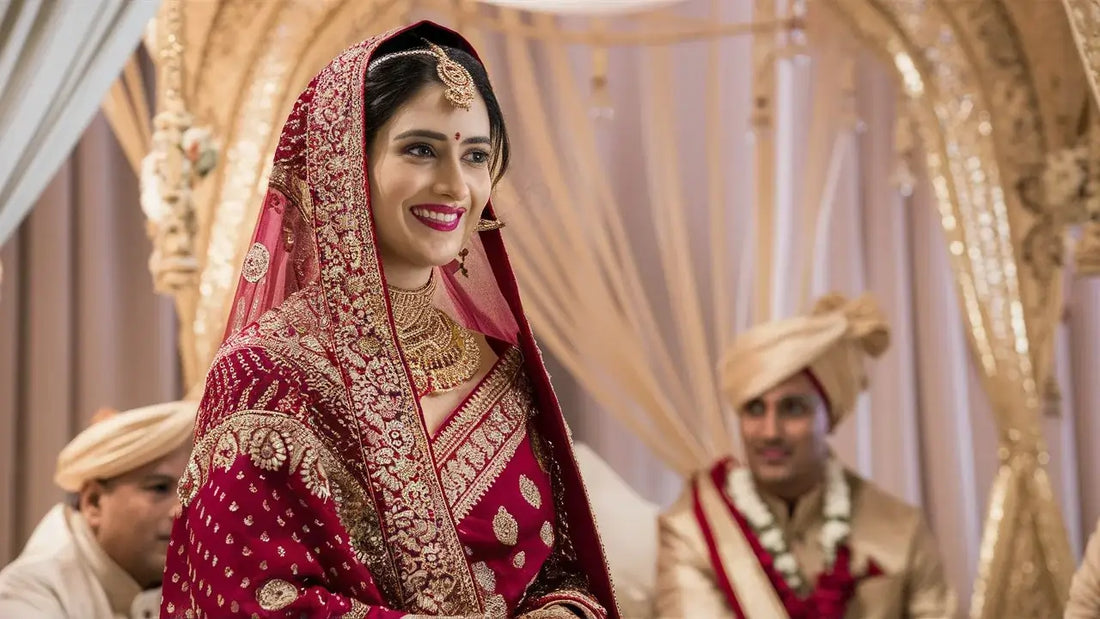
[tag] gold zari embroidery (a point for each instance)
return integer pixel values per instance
(505, 527)
(530, 491)
(276, 594)
(255, 263)
(547, 534)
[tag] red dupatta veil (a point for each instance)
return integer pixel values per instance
(316, 230)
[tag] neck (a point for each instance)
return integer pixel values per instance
(407, 277)
(791, 490)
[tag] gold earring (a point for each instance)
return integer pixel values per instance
(488, 225)
(462, 262)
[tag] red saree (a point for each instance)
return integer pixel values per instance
(315, 489)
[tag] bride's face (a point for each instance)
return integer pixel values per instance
(429, 182)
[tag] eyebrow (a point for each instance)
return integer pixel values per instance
(435, 135)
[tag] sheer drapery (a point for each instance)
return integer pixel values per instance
(57, 61)
(637, 280)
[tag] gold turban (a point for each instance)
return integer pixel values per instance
(121, 442)
(830, 342)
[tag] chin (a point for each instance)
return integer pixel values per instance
(770, 474)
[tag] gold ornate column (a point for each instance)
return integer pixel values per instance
(1084, 19)
(166, 178)
(968, 87)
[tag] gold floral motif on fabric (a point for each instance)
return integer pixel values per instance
(546, 533)
(256, 263)
(496, 606)
(519, 560)
(276, 594)
(485, 577)
(358, 611)
(505, 527)
(267, 438)
(530, 491)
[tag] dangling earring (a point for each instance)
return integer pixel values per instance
(462, 262)
(488, 225)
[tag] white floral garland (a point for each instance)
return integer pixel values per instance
(835, 531)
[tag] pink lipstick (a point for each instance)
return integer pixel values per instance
(438, 216)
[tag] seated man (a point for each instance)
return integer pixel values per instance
(104, 559)
(794, 534)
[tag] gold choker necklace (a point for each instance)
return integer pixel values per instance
(442, 354)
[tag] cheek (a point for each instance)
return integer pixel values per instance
(747, 427)
(481, 189)
(802, 431)
(399, 184)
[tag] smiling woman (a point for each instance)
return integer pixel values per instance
(378, 436)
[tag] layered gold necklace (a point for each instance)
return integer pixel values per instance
(442, 354)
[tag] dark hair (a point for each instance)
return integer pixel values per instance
(392, 83)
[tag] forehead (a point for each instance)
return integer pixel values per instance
(799, 384)
(429, 109)
(170, 465)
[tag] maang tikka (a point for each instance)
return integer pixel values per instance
(460, 88)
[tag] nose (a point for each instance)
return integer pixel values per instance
(177, 508)
(770, 424)
(450, 181)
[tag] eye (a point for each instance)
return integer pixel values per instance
(754, 408)
(794, 407)
(420, 150)
(477, 157)
(160, 488)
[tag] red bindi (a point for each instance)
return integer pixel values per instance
(457, 136)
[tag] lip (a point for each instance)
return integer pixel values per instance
(773, 455)
(441, 217)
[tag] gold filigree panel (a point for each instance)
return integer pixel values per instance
(1084, 17)
(969, 87)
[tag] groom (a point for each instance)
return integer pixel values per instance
(794, 534)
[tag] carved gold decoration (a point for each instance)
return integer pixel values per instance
(974, 98)
(1084, 18)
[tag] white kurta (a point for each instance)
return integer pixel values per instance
(63, 573)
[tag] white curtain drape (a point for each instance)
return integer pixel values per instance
(58, 59)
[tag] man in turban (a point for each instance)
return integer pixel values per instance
(792, 533)
(103, 556)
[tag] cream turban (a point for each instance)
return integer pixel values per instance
(830, 342)
(122, 442)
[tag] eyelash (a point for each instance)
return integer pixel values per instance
(412, 148)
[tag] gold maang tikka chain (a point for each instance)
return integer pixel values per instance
(460, 87)
(442, 354)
